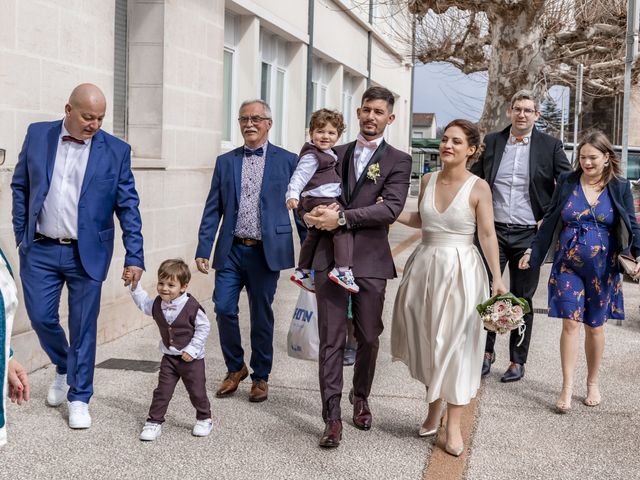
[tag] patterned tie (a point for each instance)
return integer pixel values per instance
(69, 138)
(253, 153)
(520, 140)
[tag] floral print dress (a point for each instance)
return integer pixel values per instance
(585, 283)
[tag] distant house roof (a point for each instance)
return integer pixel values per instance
(423, 119)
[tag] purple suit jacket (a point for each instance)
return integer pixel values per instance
(367, 221)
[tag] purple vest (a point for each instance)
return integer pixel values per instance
(180, 332)
(326, 172)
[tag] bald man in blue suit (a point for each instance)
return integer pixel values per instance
(70, 179)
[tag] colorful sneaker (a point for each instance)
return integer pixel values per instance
(202, 428)
(344, 279)
(150, 431)
(303, 280)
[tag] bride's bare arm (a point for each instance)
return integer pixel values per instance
(487, 233)
(412, 219)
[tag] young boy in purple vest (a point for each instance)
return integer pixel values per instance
(316, 181)
(184, 327)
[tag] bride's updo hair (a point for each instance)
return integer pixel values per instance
(472, 133)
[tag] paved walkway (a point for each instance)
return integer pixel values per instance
(515, 433)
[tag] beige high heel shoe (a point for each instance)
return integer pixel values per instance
(424, 432)
(563, 406)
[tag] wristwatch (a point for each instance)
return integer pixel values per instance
(342, 221)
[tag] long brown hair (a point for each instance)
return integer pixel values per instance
(600, 142)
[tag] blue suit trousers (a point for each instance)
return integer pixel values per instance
(246, 267)
(46, 268)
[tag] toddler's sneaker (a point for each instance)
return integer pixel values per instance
(202, 428)
(345, 279)
(303, 280)
(150, 431)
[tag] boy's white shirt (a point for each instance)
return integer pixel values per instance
(306, 168)
(202, 326)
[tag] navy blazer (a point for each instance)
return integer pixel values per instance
(224, 199)
(547, 161)
(627, 230)
(108, 186)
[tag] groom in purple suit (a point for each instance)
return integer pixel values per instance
(371, 168)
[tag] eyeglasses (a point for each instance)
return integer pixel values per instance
(253, 118)
(527, 111)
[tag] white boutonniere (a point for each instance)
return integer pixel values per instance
(373, 172)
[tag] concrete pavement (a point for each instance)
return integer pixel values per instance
(516, 433)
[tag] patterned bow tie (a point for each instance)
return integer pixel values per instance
(253, 153)
(168, 306)
(520, 140)
(69, 138)
(365, 144)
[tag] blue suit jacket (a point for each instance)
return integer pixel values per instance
(108, 187)
(627, 231)
(224, 199)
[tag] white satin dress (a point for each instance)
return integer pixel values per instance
(436, 330)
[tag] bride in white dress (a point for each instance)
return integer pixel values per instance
(436, 330)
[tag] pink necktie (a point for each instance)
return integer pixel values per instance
(365, 144)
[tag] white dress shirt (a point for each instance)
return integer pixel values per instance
(59, 215)
(306, 168)
(202, 326)
(362, 155)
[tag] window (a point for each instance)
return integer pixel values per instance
(273, 81)
(320, 83)
(350, 104)
(228, 94)
(120, 71)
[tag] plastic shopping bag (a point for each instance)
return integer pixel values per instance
(302, 340)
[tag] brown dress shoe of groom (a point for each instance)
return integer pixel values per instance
(332, 434)
(230, 383)
(259, 391)
(362, 417)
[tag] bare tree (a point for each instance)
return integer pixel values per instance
(530, 44)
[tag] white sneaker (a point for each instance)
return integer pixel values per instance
(151, 431)
(202, 428)
(58, 390)
(79, 415)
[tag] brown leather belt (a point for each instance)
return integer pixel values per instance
(61, 241)
(247, 242)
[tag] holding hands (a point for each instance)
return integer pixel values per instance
(131, 276)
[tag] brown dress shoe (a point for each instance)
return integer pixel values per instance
(259, 391)
(362, 417)
(332, 434)
(230, 383)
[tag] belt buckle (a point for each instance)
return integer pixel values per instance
(65, 241)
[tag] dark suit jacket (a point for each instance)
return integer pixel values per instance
(547, 161)
(367, 221)
(224, 199)
(107, 188)
(627, 230)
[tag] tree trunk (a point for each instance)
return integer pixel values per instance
(516, 61)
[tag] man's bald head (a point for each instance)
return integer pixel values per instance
(85, 111)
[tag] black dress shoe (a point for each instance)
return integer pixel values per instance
(489, 359)
(362, 417)
(514, 373)
(332, 434)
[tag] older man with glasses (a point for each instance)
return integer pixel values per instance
(254, 242)
(521, 164)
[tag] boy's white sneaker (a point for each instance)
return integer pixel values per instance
(79, 415)
(150, 431)
(344, 279)
(303, 280)
(202, 428)
(57, 390)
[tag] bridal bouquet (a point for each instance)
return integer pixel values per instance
(503, 313)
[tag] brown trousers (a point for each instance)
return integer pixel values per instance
(342, 238)
(172, 369)
(367, 308)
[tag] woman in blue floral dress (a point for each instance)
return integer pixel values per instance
(590, 221)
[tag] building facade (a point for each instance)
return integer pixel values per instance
(174, 73)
